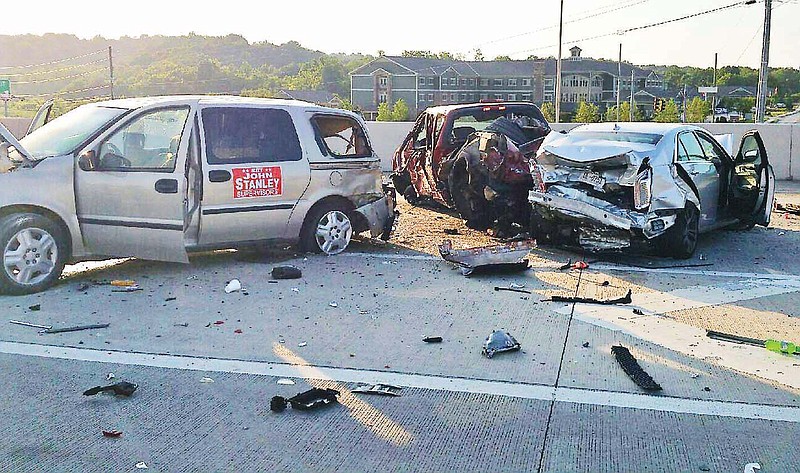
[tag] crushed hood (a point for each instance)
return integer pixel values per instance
(570, 149)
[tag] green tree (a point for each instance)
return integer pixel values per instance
(669, 114)
(549, 111)
(697, 110)
(399, 111)
(478, 55)
(587, 113)
(502, 58)
(624, 113)
(384, 112)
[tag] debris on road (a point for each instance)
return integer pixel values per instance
(631, 367)
(512, 289)
(778, 346)
(286, 272)
(752, 467)
(285, 382)
(509, 256)
(35, 307)
(75, 329)
(380, 389)
(782, 346)
(127, 289)
(219, 322)
(84, 286)
(206, 380)
(585, 345)
(311, 399)
(788, 208)
(566, 265)
(110, 376)
(302, 344)
(432, 339)
(141, 466)
(123, 283)
(498, 342)
(589, 300)
(516, 286)
(28, 324)
(233, 286)
(451, 231)
(333, 304)
(638, 311)
(123, 388)
(580, 265)
(170, 299)
(112, 433)
(238, 330)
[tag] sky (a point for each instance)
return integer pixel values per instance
(514, 28)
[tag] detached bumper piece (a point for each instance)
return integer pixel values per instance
(506, 257)
(379, 389)
(631, 367)
(499, 342)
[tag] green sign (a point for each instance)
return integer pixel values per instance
(5, 86)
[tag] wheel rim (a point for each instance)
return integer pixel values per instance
(30, 256)
(334, 232)
(690, 234)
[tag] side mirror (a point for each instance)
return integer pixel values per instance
(88, 161)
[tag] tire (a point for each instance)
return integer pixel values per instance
(463, 196)
(411, 196)
(680, 241)
(328, 229)
(33, 251)
(401, 180)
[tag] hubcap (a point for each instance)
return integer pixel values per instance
(30, 256)
(334, 232)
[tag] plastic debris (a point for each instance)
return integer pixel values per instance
(35, 307)
(631, 367)
(516, 286)
(506, 257)
(638, 311)
(206, 380)
(233, 286)
(585, 345)
(123, 283)
(219, 322)
(302, 344)
(311, 399)
(588, 300)
(498, 342)
(75, 329)
(580, 265)
(380, 389)
(432, 339)
(512, 289)
(28, 324)
(112, 433)
(127, 289)
(110, 376)
(752, 467)
(285, 382)
(695, 375)
(238, 330)
(123, 388)
(295, 289)
(286, 272)
(141, 466)
(333, 304)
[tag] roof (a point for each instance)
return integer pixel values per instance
(444, 109)
(594, 65)
(642, 127)
(138, 102)
(313, 96)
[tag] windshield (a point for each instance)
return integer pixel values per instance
(626, 137)
(64, 134)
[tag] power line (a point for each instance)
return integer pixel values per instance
(59, 61)
(52, 71)
(87, 89)
(57, 79)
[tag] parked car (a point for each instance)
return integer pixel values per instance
(473, 158)
(607, 185)
(158, 177)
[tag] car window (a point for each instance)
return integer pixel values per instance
(711, 149)
(236, 135)
(691, 148)
(341, 136)
(148, 142)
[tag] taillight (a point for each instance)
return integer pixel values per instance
(538, 178)
(642, 189)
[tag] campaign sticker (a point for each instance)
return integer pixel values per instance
(257, 182)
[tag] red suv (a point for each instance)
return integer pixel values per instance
(473, 158)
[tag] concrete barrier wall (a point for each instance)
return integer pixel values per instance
(17, 126)
(781, 140)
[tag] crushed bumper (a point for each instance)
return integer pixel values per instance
(380, 216)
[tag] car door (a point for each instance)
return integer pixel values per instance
(41, 118)
(753, 181)
(130, 186)
(703, 174)
(255, 171)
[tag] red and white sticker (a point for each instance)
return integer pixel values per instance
(257, 182)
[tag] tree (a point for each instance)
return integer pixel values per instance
(478, 55)
(549, 111)
(697, 110)
(669, 114)
(384, 113)
(587, 113)
(502, 58)
(624, 113)
(399, 111)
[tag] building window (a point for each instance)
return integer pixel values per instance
(512, 96)
(548, 97)
(471, 97)
(526, 97)
(462, 97)
(549, 83)
(421, 97)
(484, 82)
(463, 81)
(421, 81)
(453, 81)
(381, 98)
(472, 82)
(430, 97)
(383, 81)
(430, 80)
(526, 82)
(498, 96)
(484, 96)
(444, 97)
(498, 82)
(512, 82)
(453, 97)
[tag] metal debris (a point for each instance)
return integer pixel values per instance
(302, 344)
(589, 300)
(380, 389)
(311, 399)
(432, 339)
(333, 304)
(512, 289)
(631, 367)
(141, 466)
(74, 329)
(727, 337)
(509, 256)
(127, 289)
(286, 272)
(206, 380)
(35, 307)
(28, 324)
(498, 342)
(285, 382)
(638, 311)
(123, 388)
(112, 433)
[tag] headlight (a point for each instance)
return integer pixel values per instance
(642, 191)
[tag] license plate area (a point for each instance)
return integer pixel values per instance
(592, 178)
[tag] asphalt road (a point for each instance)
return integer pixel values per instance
(562, 403)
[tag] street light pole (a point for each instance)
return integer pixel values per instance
(761, 99)
(619, 78)
(558, 62)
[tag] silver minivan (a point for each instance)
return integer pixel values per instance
(158, 177)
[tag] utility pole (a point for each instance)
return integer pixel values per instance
(761, 98)
(714, 96)
(558, 62)
(619, 78)
(630, 112)
(111, 71)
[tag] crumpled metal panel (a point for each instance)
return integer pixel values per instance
(603, 239)
(499, 342)
(598, 209)
(513, 253)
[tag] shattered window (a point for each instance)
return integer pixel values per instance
(342, 136)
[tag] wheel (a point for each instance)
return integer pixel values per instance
(34, 252)
(328, 230)
(472, 208)
(401, 180)
(411, 196)
(680, 241)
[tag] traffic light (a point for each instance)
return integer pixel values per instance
(658, 105)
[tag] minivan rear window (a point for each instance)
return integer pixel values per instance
(236, 135)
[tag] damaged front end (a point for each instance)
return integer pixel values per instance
(608, 198)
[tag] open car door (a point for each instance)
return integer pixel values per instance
(41, 118)
(753, 186)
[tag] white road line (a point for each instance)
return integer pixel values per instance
(736, 410)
